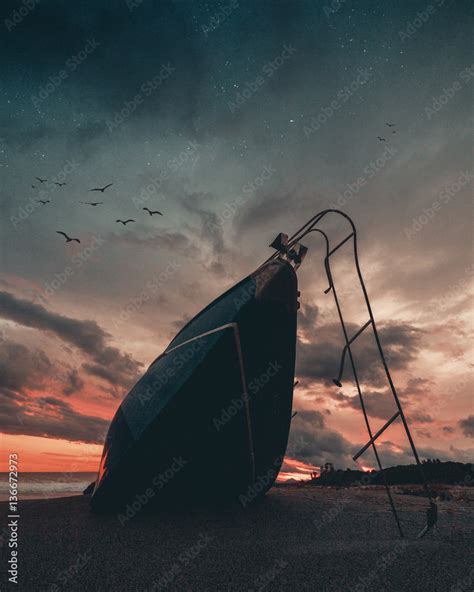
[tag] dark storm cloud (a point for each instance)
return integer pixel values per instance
(48, 417)
(467, 426)
(320, 360)
(377, 403)
(312, 442)
(74, 382)
(22, 368)
(119, 368)
(421, 417)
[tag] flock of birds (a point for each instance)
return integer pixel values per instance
(89, 203)
(389, 125)
(150, 212)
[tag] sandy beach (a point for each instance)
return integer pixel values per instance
(298, 538)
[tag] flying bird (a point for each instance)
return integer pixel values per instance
(41, 180)
(92, 203)
(151, 212)
(394, 132)
(60, 184)
(390, 124)
(33, 186)
(43, 201)
(381, 139)
(125, 222)
(102, 189)
(68, 238)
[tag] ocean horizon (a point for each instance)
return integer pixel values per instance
(47, 485)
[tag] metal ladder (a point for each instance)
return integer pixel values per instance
(291, 248)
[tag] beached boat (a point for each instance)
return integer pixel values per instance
(210, 417)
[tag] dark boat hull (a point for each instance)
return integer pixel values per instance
(210, 418)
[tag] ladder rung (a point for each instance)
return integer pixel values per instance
(340, 244)
(363, 328)
(375, 436)
(337, 380)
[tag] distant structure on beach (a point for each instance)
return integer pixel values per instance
(449, 473)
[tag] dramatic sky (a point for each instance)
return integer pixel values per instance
(237, 120)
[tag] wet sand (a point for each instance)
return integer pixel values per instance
(298, 538)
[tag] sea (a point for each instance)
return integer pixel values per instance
(46, 485)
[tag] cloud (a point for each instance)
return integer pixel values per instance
(74, 382)
(467, 426)
(21, 368)
(421, 417)
(377, 403)
(120, 369)
(312, 442)
(48, 417)
(320, 360)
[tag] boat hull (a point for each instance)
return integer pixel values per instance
(209, 420)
